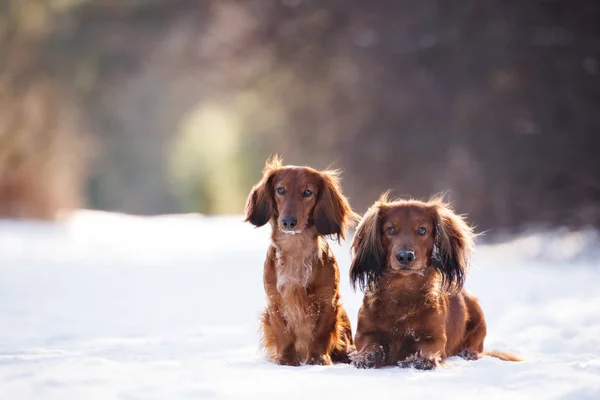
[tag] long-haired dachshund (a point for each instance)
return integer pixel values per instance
(410, 258)
(304, 322)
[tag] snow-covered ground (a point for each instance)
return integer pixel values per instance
(109, 306)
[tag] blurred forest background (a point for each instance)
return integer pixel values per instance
(165, 106)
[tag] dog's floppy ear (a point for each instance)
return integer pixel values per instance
(332, 214)
(259, 206)
(453, 244)
(369, 256)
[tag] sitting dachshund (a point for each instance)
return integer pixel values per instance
(410, 258)
(304, 322)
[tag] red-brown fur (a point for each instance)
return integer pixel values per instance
(418, 313)
(304, 321)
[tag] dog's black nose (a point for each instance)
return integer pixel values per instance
(405, 256)
(289, 222)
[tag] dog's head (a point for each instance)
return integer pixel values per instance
(297, 198)
(406, 237)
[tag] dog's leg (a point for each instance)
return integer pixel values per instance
(370, 351)
(322, 338)
(372, 346)
(278, 341)
(319, 351)
(344, 343)
(475, 332)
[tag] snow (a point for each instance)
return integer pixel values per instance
(111, 306)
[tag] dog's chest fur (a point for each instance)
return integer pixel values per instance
(401, 306)
(295, 256)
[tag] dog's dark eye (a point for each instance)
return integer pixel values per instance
(307, 193)
(391, 230)
(421, 231)
(280, 190)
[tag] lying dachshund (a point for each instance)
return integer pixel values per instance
(410, 258)
(304, 321)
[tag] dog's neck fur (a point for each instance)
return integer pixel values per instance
(296, 255)
(410, 289)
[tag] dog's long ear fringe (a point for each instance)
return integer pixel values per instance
(369, 256)
(453, 245)
(259, 206)
(332, 214)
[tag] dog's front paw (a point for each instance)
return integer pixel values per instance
(420, 361)
(371, 356)
(321, 359)
(291, 362)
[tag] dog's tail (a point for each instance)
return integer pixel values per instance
(503, 355)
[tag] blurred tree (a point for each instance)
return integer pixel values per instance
(494, 101)
(40, 151)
